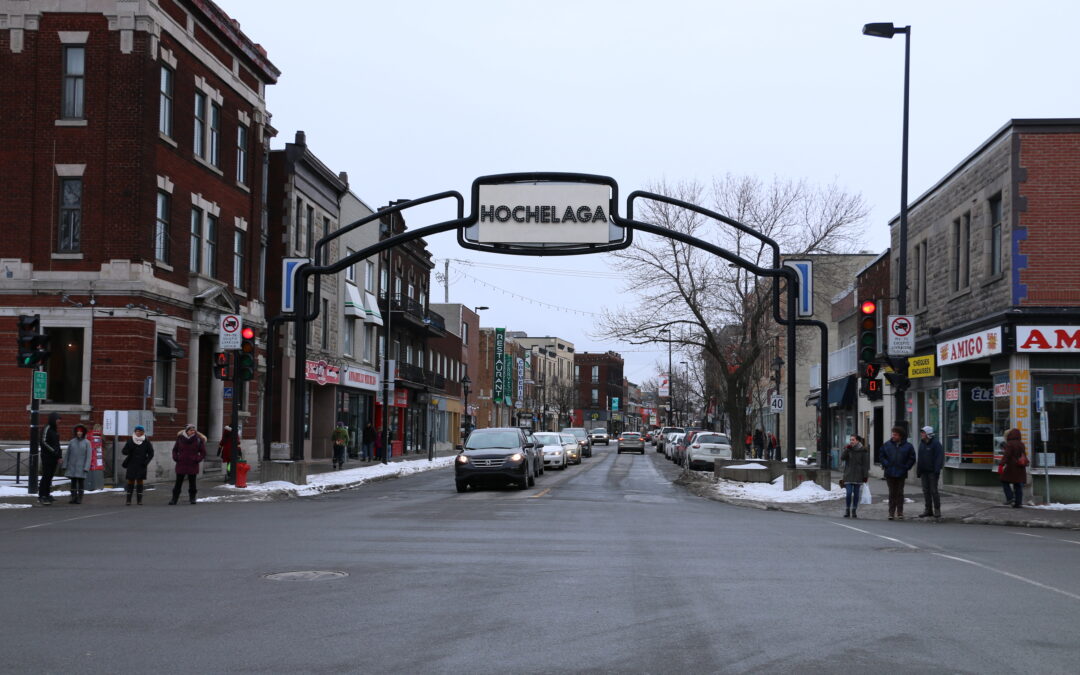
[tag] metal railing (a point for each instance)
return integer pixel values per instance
(842, 362)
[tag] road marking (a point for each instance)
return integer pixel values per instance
(969, 562)
(67, 520)
(540, 494)
(1039, 536)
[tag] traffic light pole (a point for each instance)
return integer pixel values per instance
(35, 440)
(239, 389)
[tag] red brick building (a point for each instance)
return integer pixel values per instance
(133, 159)
(599, 381)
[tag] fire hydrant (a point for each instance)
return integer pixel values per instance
(242, 469)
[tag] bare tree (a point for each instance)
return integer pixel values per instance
(718, 312)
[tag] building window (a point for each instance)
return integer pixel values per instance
(369, 276)
(310, 230)
(74, 83)
(65, 365)
(350, 271)
(239, 255)
(199, 145)
(165, 114)
(995, 235)
(347, 336)
(595, 374)
(70, 230)
(298, 223)
(409, 355)
(211, 246)
(369, 344)
(325, 227)
(161, 227)
(215, 134)
(595, 397)
(241, 154)
(164, 367)
(324, 340)
(961, 262)
(384, 282)
(919, 291)
(195, 256)
(464, 333)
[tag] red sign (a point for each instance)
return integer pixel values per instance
(322, 372)
(401, 398)
(97, 456)
(1048, 339)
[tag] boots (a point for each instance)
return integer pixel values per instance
(175, 495)
(129, 490)
(138, 495)
(854, 513)
(82, 490)
(847, 513)
(927, 513)
(937, 512)
(191, 496)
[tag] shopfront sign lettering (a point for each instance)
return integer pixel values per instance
(952, 394)
(981, 394)
(921, 366)
(524, 213)
(1066, 389)
(499, 365)
(362, 379)
(1020, 403)
(1001, 390)
(322, 372)
(1048, 339)
(974, 346)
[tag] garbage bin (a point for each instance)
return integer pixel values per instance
(242, 469)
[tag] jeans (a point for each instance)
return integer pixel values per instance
(48, 470)
(896, 494)
(930, 492)
(339, 453)
(852, 493)
(1014, 492)
(367, 451)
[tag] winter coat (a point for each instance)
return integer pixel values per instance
(138, 458)
(188, 452)
(340, 436)
(50, 442)
(856, 460)
(77, 459)
(897, 458)
(369, 435)
(1014, 449)
(225, 447)
(759, 439)
(931, 457)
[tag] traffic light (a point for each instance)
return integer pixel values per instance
(868, 344)
(870, 370)
(33, 344)
(871, 388)
(222, 366)
(898, 378)
(245, 366)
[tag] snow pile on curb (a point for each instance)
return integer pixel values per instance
(774, 492)
(329, 482)
(20, 491)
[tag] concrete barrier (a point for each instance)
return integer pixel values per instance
(800, 474)
(290, 472)
(769, 470)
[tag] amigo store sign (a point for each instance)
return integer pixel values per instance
(531, 213)
(1048, 339)
(974, 346)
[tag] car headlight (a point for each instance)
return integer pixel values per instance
(516, 457)
(462, 459)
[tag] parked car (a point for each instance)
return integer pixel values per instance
(538, 456)
(495, 455)
(582, 437)
(662, 438)
(553, 449)
(705, 448)
(599, 436)
(669, 445)
(678, 448)
(631, 441)
(573, 450)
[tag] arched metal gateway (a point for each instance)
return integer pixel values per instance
(542, 214)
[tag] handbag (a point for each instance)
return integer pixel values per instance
(864, 494)
(1023, 459)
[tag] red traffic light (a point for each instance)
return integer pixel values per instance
(867, 307)
(247, 333)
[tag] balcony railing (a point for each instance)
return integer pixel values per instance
(842, 362)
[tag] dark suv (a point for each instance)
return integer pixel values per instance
(500, 454)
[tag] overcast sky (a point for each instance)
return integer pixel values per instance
(417, 97)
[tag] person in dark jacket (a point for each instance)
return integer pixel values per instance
(856, 459)
(759, 443)
(77, 463)
(225, 450)
(1013, 474)
(367, 443)
(138, 452)
(930, 462)
(897, 458)
(188, 452)
(51, 457)
(340, 438)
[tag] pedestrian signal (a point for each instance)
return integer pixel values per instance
(33, 344)
(222, 366)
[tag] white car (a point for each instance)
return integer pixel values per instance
(670, 441)
(553, 448)
(707, 447)
(599, 436)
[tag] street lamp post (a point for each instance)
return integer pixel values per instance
(887, 30)
(777, 364)
(465, 382)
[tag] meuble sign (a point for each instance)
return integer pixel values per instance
(535, 213)
(1048, 339)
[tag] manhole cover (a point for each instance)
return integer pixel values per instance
(308, 575)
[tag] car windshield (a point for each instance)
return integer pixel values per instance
(548, 439)
(599, 431)
(492, 439)
(577, 433)
(713, 438)
(632, 435)
(567, 438)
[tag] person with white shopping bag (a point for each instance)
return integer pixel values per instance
(856, 460)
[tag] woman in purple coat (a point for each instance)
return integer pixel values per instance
(188, 451)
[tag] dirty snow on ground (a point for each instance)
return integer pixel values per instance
(15, 506)
(1057, 507)
(329, 482)
(747, 466)
(20, 491)
(808, 491)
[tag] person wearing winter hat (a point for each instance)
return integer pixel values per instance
(928, 466)
(188, 452)
(77, 463)
(51, 456)
(138, 452)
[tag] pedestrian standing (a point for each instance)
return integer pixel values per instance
(856, 459)
(930, 462)
(225, 449)
(50, 458)
(340, 439)
(138, 451)
(1014, 461)
(188, 452)
(77, 463)
(774, 447)
(897, 458)
(759, 443)
(367, 443)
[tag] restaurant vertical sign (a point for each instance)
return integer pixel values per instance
(499, 366)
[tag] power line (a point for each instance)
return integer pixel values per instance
(559, 271)
(534, 301)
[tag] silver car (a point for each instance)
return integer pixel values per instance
(706, 447)
(554, 449)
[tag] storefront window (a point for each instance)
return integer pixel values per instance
(977, 426)
(1002, 405)
(1062, 396)
(951, 426)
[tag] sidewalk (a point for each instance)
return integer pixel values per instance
(977, 505)
(322, 477)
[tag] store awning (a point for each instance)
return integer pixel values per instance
(842, 392)
(354, 306)
(168, 348)
(371, 310)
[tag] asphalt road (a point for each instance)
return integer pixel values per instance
(607, 567)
